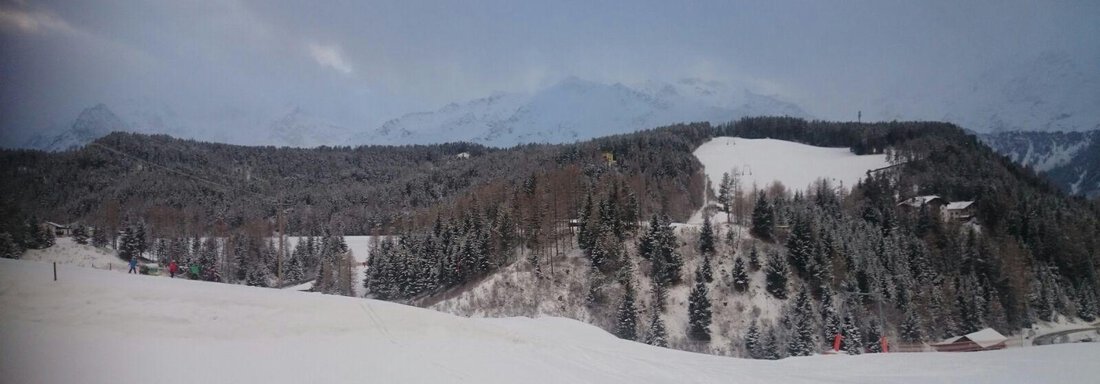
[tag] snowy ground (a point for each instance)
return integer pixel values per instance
(762, 161)
(94, 326)
(67, 251)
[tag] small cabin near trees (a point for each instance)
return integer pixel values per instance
(983, 340)
(947, 211)
(59, 230)
(959, 211)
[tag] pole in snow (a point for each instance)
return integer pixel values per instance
(55, 271)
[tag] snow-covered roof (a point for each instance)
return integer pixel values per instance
(56, 225)
(984, 338)
(959, 205)
(920, 201)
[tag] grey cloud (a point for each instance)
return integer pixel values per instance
(361, 63)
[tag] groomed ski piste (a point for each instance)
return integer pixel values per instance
(96, 326)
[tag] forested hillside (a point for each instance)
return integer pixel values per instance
(826, 258)
(457, 214)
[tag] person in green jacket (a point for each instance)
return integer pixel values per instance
(194, 269)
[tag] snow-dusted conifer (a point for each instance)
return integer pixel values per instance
(776, 275)
(852, 341)
(740, 277)
(752, 341)
(699, 312)
(80, 234)
(657, 335)
(763, 217)
(754, 258)
(9, 249)
(911, 331)
(627, 325)
(769, 349)
(706, 237)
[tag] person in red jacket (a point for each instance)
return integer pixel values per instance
(173, 268)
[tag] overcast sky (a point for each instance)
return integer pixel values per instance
(360, 62)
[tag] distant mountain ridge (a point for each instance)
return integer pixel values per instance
(571, 110)
(1048, 92)
(576, 109)
(1070, 159)
(92, 123)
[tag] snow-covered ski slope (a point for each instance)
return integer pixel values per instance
(95, 326)
(763, 161)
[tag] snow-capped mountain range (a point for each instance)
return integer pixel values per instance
(576, 109)
(1070, 159)
(91, 124)
(1052, 91)
(572, 109)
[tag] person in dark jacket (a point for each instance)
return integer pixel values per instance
(173, 268)
(133, 265)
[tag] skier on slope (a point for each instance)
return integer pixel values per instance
(133, 265)
(173, 268)
(194, 271)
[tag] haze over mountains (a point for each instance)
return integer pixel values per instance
(1070, 159)
(572, 109)
(1051, 92)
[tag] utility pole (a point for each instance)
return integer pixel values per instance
(282, 240)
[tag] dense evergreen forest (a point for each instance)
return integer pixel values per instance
(458, 212)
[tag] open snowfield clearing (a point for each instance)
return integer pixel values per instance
(360, 251)
(763, 161)
(95, 326)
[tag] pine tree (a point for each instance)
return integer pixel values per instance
(706, 237)
(659, 245)
(874, 337)
(657, 335)
(595, 287)
(208, 260)
(9, 249)
(49, 238)
(725, 194)
(911, 329)
(852, 342)
(141, 244)
(802, 342)
(99, 237)
(769, 349)
(699, 313)
(80, 234)
(800, 246)
(627, 325)
(30, 234)
(763, 216)
(127, 248)
(257, 275)
(740, 277)
(752, 341)
(754, 259)
(776, 275)
(1086, 309)
(660, 294)
(647, 244)
(832, 325)
(706, 271)
(587, 223)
